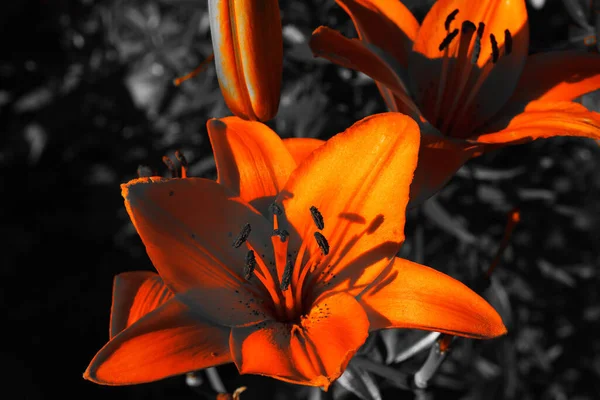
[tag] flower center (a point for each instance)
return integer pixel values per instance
(463, 73)
(280, 276)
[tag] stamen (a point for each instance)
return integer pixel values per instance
(275, 209)
(250, 265)
(477, 44)
(196, 71)
(507, 42)
(514, 217)
(322, 242)
(169, 163)
(449, 19)
(444, 342)
(495, 50)
(144, 171)
(241, 238)
(181, 158)
(282, 233)
(459, 75)
(448, 39)
(286, 278)
(476, 50)
(183, 161)
(480, 29)
(317, 217)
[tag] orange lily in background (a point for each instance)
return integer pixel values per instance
(248, 47)
(465, 75)
(284, 264)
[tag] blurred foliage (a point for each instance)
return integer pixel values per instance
(87, 95)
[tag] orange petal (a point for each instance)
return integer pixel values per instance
(249, 61)
(300, 148)
(558, 76)
(135, 294)
(354, 54)
(359, 180)
(169, 341)
(410, 295)
(455, 94)
(188, 226)
(314, 351)
(251, 159)
(388, 25)
(391, 27)
(542, 120)
(439, 158)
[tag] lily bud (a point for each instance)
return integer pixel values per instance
(248, 46)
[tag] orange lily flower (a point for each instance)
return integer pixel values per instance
(248, 47)
(465, 75)
(284, 264)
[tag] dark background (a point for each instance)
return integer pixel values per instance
(86, 96)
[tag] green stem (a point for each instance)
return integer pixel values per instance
(398, 378)
(215, 380)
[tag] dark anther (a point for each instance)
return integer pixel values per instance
(480, 29)
(476, 50)
(450, 18)
(180, 157)
(250, 265)
(241, 238)
(468, 26)
(477, 45)
(507, 42)
(448, 39)
(317, 217)
(286, 278)
(169, 163)
(144, 171)
(322, 242)
(495, 51)
(282, 233)
(275, 209)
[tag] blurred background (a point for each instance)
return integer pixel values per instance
(87, 95)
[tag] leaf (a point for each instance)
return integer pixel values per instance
(403, 344)
(437, 214)
(359, 382)
(499, 298)
(555, 273)
(578, 13)
(535, 194)
(490, 174)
